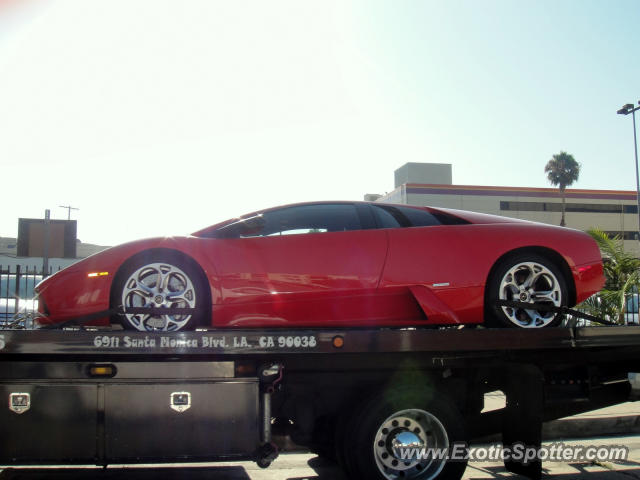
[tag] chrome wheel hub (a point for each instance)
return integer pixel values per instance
(530, 282)
(402, 441)
(158, 285)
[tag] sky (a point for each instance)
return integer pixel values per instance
(159, 118)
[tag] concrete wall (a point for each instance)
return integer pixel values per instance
(434, 173)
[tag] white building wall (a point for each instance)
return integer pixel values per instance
(485, 199)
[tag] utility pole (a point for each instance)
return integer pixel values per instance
(45, 246)
(69, 208)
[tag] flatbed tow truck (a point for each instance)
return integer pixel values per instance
(87, 395)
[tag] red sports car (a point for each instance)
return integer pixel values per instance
(333, 264)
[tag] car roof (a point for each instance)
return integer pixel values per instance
(300, 204)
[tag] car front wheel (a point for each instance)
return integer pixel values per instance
(159, 283)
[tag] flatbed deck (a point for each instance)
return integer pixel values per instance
(92, 341)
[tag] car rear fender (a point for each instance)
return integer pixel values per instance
(552, 255)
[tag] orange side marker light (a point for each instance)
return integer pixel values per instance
(97, 274)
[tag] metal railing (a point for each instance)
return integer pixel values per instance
(17, 295)
(631, 314)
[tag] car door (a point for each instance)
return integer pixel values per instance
(316, 264)
(435, 253)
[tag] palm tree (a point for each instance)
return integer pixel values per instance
(622, 278)
(562, 170)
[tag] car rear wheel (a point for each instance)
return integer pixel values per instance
(526, 278)
(159, 282)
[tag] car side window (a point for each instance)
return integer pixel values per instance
(398, 217)
(302, 219)
(419, 218)
(310, 219)
(390, 217)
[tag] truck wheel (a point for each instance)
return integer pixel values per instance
(159, 281)
(527, 278)
(323, 438)
(391, 434)
(344, 438)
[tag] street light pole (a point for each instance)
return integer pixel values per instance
(626, 110)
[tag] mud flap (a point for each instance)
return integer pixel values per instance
(522, 419)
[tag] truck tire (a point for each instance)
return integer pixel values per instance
(389, 424)
(344, 439)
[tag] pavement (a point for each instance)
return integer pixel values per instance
(305, 466)
(621, 419)
(628, 469)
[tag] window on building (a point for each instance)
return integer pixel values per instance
(629, 235)
(570, 207)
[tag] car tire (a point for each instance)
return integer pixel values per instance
(390, 418)
(527, 278)
(181, 286)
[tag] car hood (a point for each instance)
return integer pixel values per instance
(110, 259)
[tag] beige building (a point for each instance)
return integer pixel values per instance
(614, 211)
